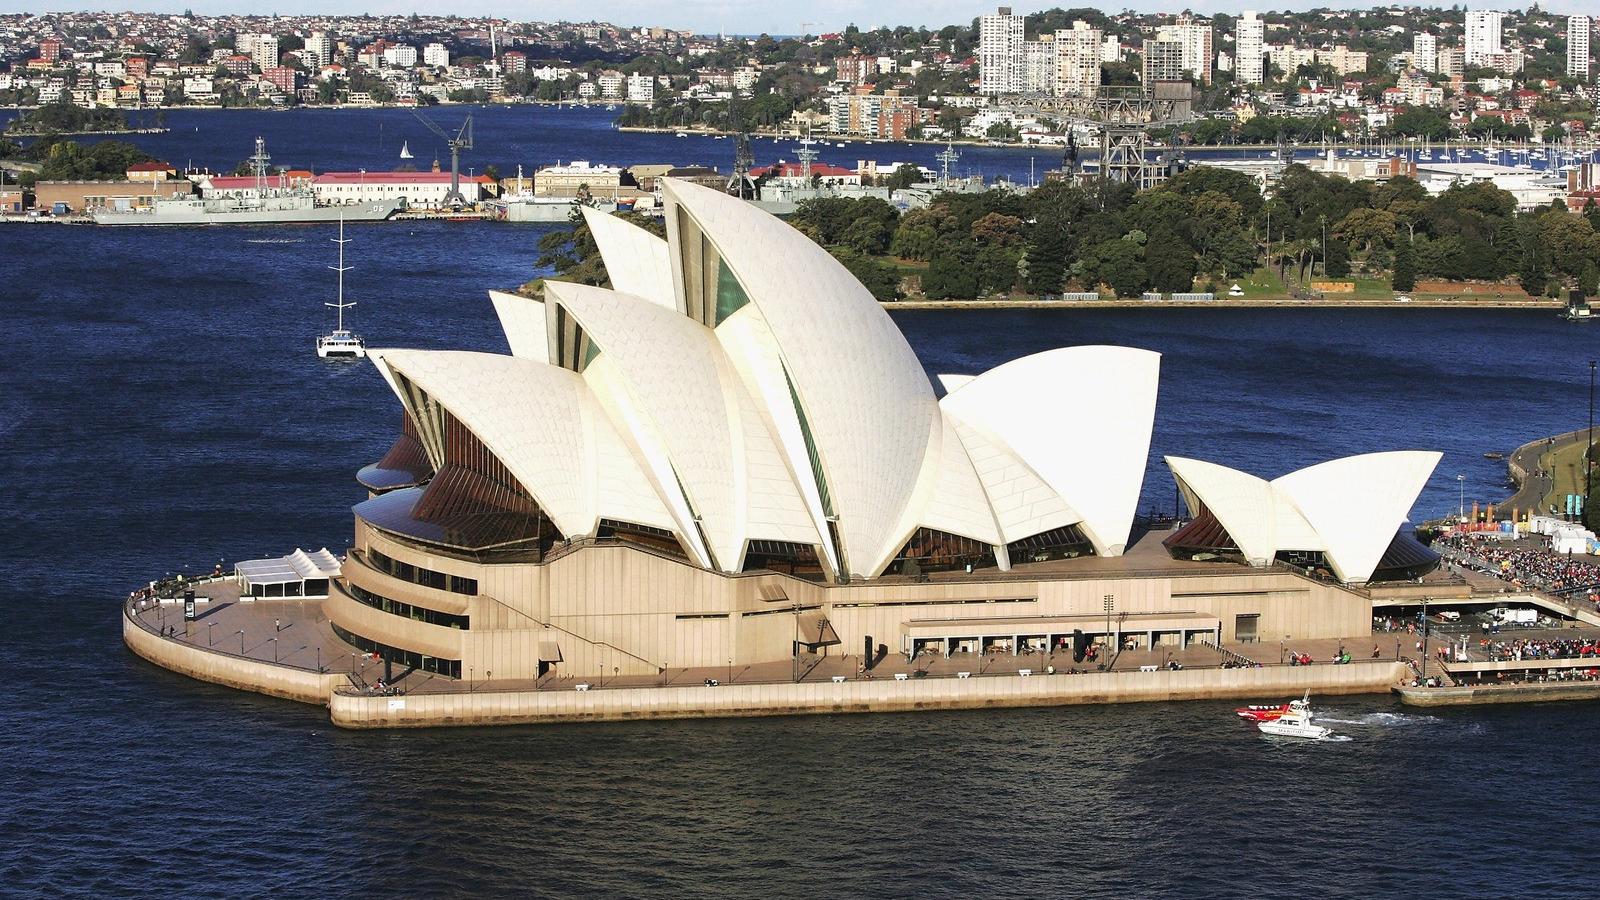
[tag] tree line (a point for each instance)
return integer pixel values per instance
(1199, 229)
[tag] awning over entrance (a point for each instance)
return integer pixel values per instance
(299, 574)
(816, 631)
(549, 652)
(771, 592)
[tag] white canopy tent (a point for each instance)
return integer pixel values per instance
(299, 574)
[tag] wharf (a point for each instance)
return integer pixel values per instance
(1259, 302)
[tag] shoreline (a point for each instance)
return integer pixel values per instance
(1542, 304)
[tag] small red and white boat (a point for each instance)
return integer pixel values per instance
(1262, 713)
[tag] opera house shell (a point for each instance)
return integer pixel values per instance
(732, 454)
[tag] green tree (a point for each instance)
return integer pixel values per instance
(881, 280)
(1118, 263)
(1169, 261)
(1405, 267)
(952, 275)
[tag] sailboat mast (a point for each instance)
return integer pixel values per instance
(341, 268)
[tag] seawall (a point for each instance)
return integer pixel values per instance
(489, 707)
(272, 679)
(1538, 692)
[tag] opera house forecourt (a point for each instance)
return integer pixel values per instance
(726, 486)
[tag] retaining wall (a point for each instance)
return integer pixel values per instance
(273, 679)
(734, 700)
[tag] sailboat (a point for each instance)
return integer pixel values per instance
(341, 343)
(405, 150)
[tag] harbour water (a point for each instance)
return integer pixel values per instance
(162, 407)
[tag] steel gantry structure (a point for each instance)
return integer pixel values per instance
(1125, 115)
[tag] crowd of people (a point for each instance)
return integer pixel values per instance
(1522, 567)
(1558, 648)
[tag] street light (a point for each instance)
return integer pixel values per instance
(1110, 601)
(241, 642)
(1424, 641)
(209, 641)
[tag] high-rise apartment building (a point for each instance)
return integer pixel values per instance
(1579, 29)
(1484, 29)
(318, 50)
(265, 51)
(1077, 60)
(437, 55)
(1249, 36)
(1000, 59)
(1424, 52)
(1163, 61)
(1039, 65)
(1194, 37)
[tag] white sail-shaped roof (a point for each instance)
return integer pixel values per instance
(523, 321)
(676, 371)
(636, 260)
(542, 423)
(863, 397)
(1080, 417)
(1245, 505)
(1349, 509)
(1356, 504)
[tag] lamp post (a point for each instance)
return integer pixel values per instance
(730, 670)
(1110, 601)
(241, 642)
(209, 641)
(794, 649)
(1424, 641)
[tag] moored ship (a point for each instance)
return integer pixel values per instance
(264, 204)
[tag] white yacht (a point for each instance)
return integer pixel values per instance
(341, 343)
(1295, 723)
(405, 150)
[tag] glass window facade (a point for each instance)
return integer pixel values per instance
(407, 610)
(450, 668)
(418, 575)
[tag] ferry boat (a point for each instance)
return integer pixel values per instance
(1296, 722)
(266, 204)
(341, 343)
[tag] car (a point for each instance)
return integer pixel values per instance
(1401, 298)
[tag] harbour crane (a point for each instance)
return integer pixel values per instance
(462, 141)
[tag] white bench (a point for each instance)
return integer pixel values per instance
(1024, 671)
(1148, 668)
(838, 679)
(900, 676)
(580, 687)
(963, 674)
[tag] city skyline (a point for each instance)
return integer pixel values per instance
(737, 16)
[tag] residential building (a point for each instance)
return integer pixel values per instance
(1343, 60)
(641, 89)
(1000, 38)
(282, 77)
(50, 49)
(264, 52)
(611, 84)
(1484, 30)
(1077, 60)
(1194, 37)
(1249, 35)
(1579, 29)
(514, 61)
(1452, 62)
(436, 55)
(1163, 61)
(1039, 66)
(1425, 52)
(318, 50)
(855, 69)
(401, 56)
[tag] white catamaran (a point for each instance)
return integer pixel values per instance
(341, 343)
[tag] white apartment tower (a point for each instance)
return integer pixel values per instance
(1249, 37)
(1484, 28)
(1195, 39)
(1038, 66)
(1000, 62)
(264, 52)
(1424, 52)
(318, 50)
(436, 55)
(1077, 60)
(1579, 29)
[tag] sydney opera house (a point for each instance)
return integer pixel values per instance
(732, 455)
